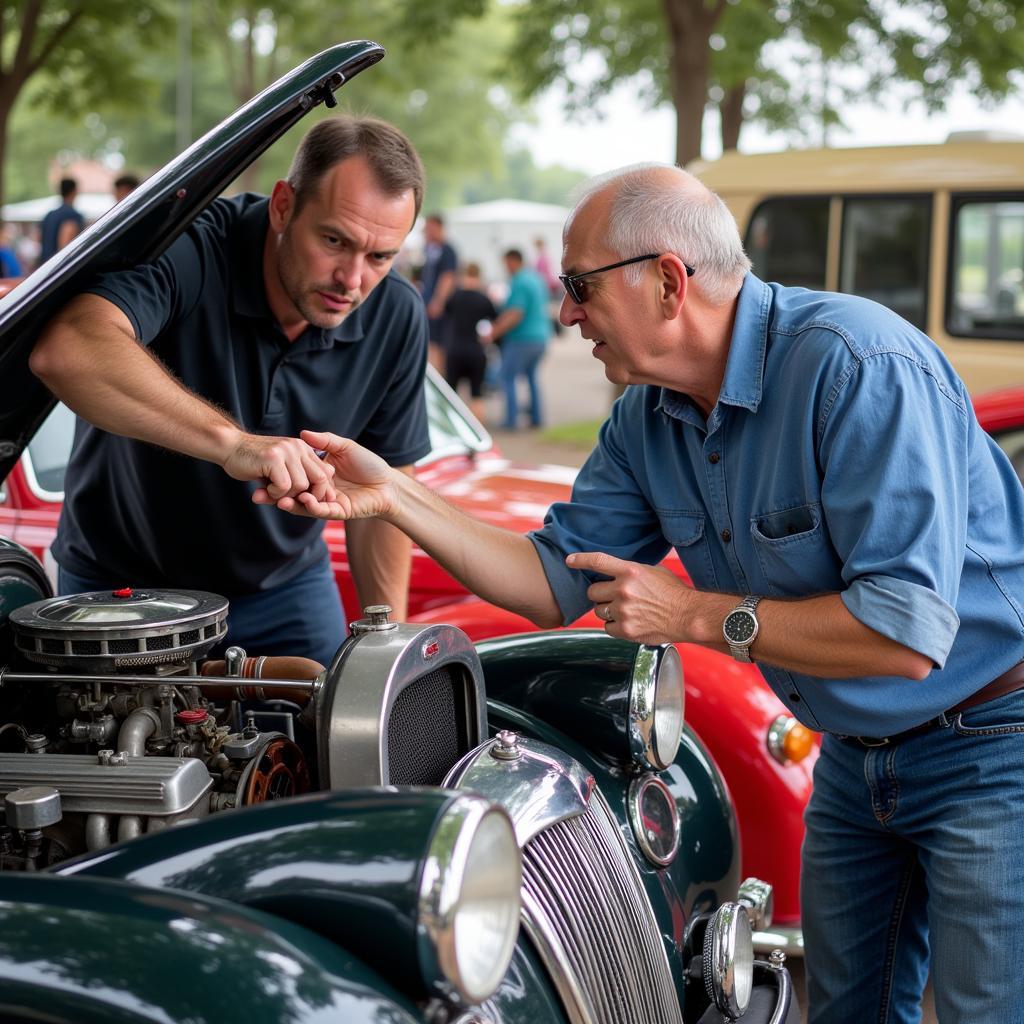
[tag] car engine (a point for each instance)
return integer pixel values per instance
(113, 721)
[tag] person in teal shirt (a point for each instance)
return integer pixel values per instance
(523, 327)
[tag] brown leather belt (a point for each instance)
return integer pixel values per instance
(1010, 681)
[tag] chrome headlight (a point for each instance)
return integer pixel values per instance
(656, 704)
(728, 960)
(470, 900)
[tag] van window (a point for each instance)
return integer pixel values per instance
(884, 252)
(787, 241)
(986, 293)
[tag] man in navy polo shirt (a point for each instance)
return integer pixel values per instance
(268, 316)
(847, 524)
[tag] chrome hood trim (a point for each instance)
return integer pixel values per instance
(539, 785)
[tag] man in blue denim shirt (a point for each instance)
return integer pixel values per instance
(816, 463)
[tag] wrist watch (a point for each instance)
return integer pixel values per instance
(740, 628)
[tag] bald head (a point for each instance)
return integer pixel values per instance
(660, 208)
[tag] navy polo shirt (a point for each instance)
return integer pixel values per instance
(137, 514)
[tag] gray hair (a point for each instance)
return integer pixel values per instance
(689, 220)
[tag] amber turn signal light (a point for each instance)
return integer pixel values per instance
(789, 742)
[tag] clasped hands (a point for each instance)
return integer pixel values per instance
(358, 483)
(284, 467)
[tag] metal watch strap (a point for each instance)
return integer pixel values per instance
(741, 652)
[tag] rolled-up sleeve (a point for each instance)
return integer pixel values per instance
(893, 447)
(609, 512)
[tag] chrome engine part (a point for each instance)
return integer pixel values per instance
(399, 706)
(116, 713)
(123, 726)
(126, 628)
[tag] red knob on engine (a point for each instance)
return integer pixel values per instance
(191, 717)
(123, 592)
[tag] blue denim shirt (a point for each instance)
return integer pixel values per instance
(842, 456)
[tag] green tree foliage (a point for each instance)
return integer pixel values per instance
(443, 90)
(727, 53)
(76, 54)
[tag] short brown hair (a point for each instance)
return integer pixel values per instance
(395, 163)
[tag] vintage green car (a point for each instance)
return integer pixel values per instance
(429, 830)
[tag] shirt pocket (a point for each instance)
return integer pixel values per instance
(685, 532)
(795, 555)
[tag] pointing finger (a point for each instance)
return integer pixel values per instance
(597, 561)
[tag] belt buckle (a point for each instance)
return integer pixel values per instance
(869, 741)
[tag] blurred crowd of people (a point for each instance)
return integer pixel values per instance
(25, 246)
(481, 342)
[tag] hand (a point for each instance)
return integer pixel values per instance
(362, 482)
(285, 465)
(643, 603)
(435, 310)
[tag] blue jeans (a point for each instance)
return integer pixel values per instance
(520, 359)
(917, 850)
(301, 617)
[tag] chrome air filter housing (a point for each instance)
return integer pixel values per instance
(111, 630)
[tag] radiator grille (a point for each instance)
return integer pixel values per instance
(426, 730)
(587, 912)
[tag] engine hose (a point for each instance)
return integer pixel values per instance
(264, 668)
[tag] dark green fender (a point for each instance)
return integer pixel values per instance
(93, 951)
(345, 865)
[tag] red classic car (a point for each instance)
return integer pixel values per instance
(765, 756)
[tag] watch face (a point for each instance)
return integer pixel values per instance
(739, 627)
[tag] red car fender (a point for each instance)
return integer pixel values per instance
(1000, 410)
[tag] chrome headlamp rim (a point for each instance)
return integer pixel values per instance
(655, 669)
(442, 882)
(728, 960)
(638, 789)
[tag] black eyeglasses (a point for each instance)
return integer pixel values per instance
(576, 286)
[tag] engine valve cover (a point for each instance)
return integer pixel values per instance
(104, 630)
(150, 786)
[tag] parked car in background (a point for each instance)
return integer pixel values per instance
(429, 830)
(934, 232)
(1001, 413)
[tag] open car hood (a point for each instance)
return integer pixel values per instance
(141, 226)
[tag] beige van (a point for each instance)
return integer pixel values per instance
(934, 232)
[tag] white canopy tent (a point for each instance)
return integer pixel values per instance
(91, 205)
(482, 232)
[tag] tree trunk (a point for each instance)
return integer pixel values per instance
(690, 24)
(4, 116)
(246, 90)
(731, 112)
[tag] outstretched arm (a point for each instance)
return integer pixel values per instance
(89, 358)
(500, 566)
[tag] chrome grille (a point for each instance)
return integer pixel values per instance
(586, 910)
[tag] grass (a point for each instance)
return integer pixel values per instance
(580, 434)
